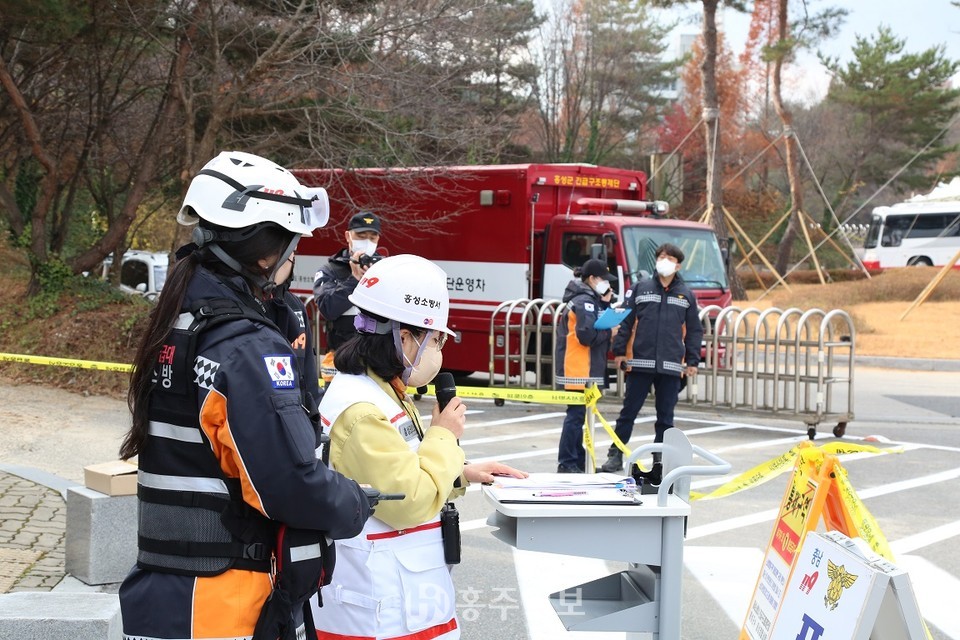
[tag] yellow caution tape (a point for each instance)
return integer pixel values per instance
(588, 443)
(542, 396)
(770, 469)
(866, 525)
(66, 362)
(524, 395)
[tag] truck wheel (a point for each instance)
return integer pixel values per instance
(840, 429)
(498, 402)
(919, 261)
(812, 431)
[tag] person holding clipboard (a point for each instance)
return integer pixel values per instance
(581, 352)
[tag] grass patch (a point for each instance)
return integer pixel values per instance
(75, 317)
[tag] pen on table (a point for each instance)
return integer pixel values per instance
(558, 494)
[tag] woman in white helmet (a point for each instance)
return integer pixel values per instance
(230, 491)
(393, 580)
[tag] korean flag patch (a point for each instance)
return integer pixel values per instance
(588, 306)
(280, 369)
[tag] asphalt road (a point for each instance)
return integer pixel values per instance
(502, 592)
(913, 496)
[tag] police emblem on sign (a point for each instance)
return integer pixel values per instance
(280, 369)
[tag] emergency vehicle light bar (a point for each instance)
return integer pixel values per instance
(616, 205)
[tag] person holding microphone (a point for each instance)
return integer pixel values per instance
(393, 580)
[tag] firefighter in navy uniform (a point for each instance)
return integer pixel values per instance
(581, 352)
(659, 345)
(235, 510)
(337, 279)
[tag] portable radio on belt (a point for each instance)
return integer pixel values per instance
(450, 529)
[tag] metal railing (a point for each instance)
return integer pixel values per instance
(787, 362)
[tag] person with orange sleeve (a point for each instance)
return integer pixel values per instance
(581, 352)
(236, 515)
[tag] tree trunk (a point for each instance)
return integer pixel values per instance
(711, 129)
(785, 251)
(48, 185)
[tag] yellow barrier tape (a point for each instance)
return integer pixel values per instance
(541, 396)
(66, 362)
(866, 525)
(588, 443)
(770, 469)
(592, 406)
(524, 395)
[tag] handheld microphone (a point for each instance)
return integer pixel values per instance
(446, 388)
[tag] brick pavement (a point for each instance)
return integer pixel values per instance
(32, 531)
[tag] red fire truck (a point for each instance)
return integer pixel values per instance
(507, 232)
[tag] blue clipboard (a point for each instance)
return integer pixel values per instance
(610, 318)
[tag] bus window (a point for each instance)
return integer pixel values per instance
(895, 229)
(873, 233)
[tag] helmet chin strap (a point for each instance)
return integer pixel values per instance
(409, 367)
(266, 284)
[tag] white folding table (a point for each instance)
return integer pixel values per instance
(644, 598)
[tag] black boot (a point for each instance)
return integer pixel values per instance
(649, 481)
(614, 463)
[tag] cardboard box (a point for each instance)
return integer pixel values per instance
(117, 478)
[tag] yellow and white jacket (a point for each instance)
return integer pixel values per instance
(390, 581)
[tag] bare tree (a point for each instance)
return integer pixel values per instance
(70, 82)
(712, 130)
(123, 97)
(790, 37)
(599, 91)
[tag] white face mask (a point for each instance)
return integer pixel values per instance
(666, 268)
(602, 287)
(431, 359)
(368, 247)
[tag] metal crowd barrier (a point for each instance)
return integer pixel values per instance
(786, 362)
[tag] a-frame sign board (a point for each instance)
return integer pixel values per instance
(841, 591)
(885, 610)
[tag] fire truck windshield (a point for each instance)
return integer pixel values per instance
(702, 265)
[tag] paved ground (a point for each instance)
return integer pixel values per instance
(32, 524)
(54, 442)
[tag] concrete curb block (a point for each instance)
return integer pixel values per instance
(60, 616)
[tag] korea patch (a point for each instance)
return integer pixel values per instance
(588, 306)
(204, 371)
(280, 369)
(628, 293)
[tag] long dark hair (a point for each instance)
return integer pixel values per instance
(268, 242)
(374, 351)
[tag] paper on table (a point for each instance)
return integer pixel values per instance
(563, 488)
(537, 481)
(610, 318)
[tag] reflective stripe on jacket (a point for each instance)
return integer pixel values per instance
(663, 334)
(241, 423)
(581, 350)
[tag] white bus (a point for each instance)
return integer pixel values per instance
(913, 234)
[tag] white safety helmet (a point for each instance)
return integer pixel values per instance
(238, 190)
(407, 289)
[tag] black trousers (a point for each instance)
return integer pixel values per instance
(667, 391)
